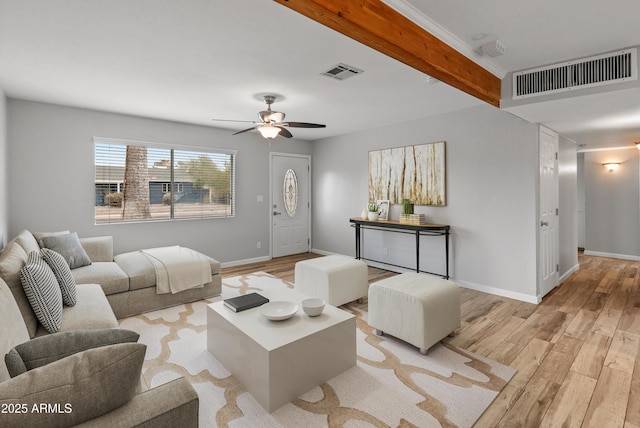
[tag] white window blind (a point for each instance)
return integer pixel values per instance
(137, 181)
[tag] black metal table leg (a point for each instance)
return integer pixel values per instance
(417, 251)
(358, 241)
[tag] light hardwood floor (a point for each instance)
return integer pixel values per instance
(576, 353)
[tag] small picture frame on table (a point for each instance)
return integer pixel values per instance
(383, 209)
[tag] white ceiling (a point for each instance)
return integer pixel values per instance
(194, 60)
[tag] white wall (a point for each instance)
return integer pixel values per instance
(568, 206)
(492, 174)
(612, 204)
(51, 176)
(4, 185)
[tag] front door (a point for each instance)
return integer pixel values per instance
(290, 203)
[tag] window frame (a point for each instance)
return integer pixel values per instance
(172, 148)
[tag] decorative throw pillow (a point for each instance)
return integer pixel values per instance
(40, 235)
(85, 385)
(62, 271)
(44, 350)
(43, 292)
(69, 247)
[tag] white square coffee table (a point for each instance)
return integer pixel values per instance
(277, 361)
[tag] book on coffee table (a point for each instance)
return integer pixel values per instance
(247, 301)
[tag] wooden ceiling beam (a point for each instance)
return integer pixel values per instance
(382, 28)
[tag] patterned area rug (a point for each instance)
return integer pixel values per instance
(392, 385)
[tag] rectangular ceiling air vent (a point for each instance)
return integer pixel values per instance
(342, 71)
(598, 70)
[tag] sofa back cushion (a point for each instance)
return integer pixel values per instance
(98, 248)
(27, 241)
(13, 331)
(12, 259)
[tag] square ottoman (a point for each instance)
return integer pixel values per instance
(419, 308)
(335, 279)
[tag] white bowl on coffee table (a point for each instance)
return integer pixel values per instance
(312, 307)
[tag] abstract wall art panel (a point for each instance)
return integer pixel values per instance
(412, 172)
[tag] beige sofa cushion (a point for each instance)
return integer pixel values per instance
(86, 385)
(27, 241)
(92, 311)
(12, 259)
(98, 248)
(107, 274)
(14, 331)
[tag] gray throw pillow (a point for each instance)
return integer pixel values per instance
(85, 385)
(47, 349)
(43, 292)
(69, 247)
(63, 274)
(40, 235)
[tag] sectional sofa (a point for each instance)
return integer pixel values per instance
(128, 280)
(95, 386)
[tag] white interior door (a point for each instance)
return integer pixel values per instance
(549, 241)
(290, 202)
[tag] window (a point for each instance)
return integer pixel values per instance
(134, 182)
(290, 192)
(166, 187)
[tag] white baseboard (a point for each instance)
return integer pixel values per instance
(568, 273)
(245, 261)
(478, 287)
(499, 292)
(611, 255)
(323, 252)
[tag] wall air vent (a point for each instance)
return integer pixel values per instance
(342, 71)
(613, 67)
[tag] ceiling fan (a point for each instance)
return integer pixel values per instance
(272, 123)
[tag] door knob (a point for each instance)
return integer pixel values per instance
(544, 223)
(276, 213)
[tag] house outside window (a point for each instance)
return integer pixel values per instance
(133, 182)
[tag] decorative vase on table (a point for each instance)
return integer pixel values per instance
(365, 214)
(373, 212)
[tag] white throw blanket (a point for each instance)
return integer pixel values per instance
(178, 268)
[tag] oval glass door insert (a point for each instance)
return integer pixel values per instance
(290, 192)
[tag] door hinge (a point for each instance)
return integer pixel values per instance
(557, 210)
(556, 155)
(557, 268)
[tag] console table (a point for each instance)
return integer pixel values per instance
(397, 227)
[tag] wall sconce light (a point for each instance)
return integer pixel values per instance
(611, 166)
(637, 143)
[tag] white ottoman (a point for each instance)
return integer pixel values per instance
(335, 279)
(418, 308)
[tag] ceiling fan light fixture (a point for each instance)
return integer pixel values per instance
(269, 132)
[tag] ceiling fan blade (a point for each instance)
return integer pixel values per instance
(283, 132)
(303, 125)
(245, 130)
(231, 120)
